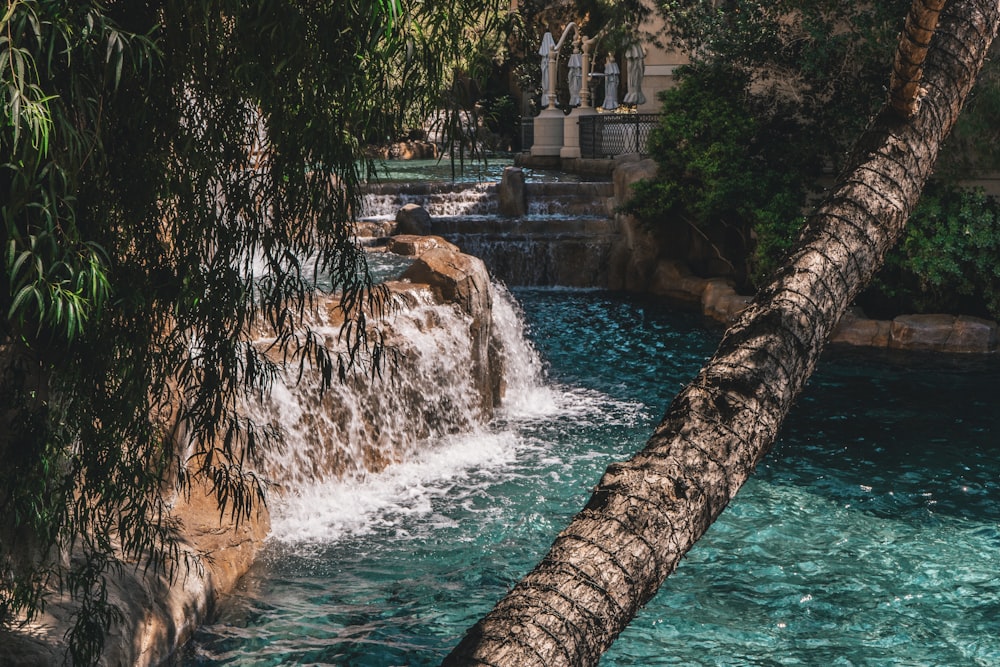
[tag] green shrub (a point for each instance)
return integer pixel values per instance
(731, 181)
(947, 261)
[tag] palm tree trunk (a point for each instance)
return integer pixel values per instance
(647, 512)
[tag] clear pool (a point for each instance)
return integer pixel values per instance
(869, 536)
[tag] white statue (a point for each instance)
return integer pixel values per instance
(635, 63)
(574, 75)
(612, 76)
(547, 45)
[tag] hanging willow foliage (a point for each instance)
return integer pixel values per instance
(172, 174)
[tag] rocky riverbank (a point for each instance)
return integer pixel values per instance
(159, 614)
(640, 268)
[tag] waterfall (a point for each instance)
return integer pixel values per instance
(439, 199)
(565, 239)
(539, 260)
(369, 445)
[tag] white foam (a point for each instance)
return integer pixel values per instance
(425, 419)
(325, 511)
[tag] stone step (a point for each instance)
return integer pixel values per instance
(535, 226)
(427, 188)
(573, 261)
(592, 199)
(560, 189)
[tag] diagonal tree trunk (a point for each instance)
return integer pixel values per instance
(647, 512)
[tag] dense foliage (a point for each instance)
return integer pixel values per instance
(946, 261)
(829, 60)
(175, 174)
(732, 180)
(775, 97)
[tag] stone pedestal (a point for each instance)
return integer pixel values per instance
(571, 132)
(548, 133)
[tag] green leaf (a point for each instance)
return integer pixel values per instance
(21, 298)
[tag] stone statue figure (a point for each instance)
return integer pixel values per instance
(635, 63)
(574, 76)
(612, 76)
(547, 45)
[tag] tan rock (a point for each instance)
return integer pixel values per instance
(634, 256)
(454, 277)
(413, 219)
(412, 245)
(228, 546)
(944, 333)
(921, 332)
(630, 171)
(672, 279)
(856, 329)
(513, 199)
(972, 335)
(159, 614)
(374, 228)
(721, 302)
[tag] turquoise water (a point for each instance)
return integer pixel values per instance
(869, 536)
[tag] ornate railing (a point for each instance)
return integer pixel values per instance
(611, 134)
(527, 133)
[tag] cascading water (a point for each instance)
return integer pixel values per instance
(425, 394)
(439, 199)
(869, 536)
(565, 238)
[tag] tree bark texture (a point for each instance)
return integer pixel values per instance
(647, 512)
(905, 91)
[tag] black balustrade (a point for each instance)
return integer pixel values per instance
(527, 133)
(611, 134)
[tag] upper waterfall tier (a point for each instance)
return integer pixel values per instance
(565, 238)
(567, 200)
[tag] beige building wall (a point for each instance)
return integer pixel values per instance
(660, 66)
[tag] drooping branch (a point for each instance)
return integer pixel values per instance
(646, 513)
(905, 91)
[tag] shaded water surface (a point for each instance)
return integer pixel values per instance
(869, 536)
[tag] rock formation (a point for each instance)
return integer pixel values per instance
(160, 615)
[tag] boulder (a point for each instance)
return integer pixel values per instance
(410, 245)
(159, 614)
(411, 149)
(921, 332)
(943, 333)
(856, 329)
(630, 171)
(513, 198)
(453, 277)
(721, 302)
(413, 219)
(463, 280)
(634, 256)
(672, 279)
(973, 334)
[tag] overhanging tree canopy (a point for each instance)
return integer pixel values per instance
(173, 173)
